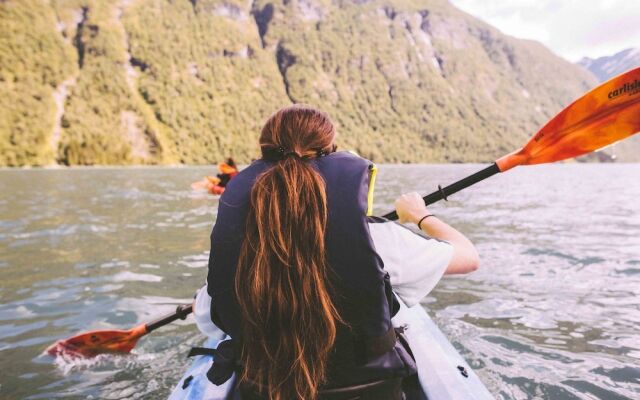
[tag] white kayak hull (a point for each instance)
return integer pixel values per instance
(443, 373)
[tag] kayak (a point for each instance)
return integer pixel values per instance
(215, 189)
(210, 184)
(442, 372)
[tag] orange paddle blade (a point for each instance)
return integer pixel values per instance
(90, 344)
(606, 114)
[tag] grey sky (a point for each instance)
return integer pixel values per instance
(570, 28)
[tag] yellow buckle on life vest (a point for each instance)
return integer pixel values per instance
(373, 171)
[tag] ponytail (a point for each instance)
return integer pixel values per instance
(289, 320)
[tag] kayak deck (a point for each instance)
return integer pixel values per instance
(442, 372)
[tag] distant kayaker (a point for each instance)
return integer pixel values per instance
(303, 280)
(227, 171)
(216, 184)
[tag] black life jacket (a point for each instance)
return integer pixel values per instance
(366, 352)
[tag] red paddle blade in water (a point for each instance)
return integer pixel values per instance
(606, 114)
(90, 344)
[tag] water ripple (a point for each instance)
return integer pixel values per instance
(553, 312)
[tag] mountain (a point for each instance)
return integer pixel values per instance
(609, 66)
(605, 68)
(88, 82)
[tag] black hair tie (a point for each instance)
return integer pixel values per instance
(280, 153)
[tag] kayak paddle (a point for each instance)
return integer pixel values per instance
(90, 344)
(604, 115)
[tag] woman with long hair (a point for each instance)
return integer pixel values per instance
(302, 279)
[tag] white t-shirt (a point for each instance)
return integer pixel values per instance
(415, 264)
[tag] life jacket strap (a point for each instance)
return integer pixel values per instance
(225, 362)
(201, 351)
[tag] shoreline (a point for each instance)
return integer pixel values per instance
(196, 166)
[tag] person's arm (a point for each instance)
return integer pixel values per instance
(411, 208)
(202, 314)
(415, 263)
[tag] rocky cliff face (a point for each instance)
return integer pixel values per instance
(192, 81)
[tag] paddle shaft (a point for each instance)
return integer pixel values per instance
(181, 313)
(443, 193)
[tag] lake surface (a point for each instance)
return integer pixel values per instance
(553, 312)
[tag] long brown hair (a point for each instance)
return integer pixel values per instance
(289, 320)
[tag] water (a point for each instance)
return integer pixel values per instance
(553, 312)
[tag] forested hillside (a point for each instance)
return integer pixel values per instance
(88, 82)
